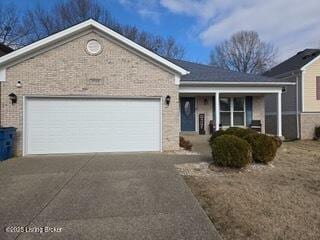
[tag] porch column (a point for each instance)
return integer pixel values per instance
(279, 115)
(217, 109)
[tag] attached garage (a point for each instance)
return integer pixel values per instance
(82, 125)
(89, 89)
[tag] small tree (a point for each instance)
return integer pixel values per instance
(64, 14)
(244, 52)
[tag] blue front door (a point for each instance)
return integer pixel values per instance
(187, 110)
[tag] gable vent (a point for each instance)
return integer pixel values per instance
(94, 47)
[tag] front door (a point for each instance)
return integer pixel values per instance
(187, 110)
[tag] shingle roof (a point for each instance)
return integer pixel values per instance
(207, 73)
(294, 63)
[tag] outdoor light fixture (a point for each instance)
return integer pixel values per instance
(205, 101)
(19, 85)
(13, 98)
(168, 98)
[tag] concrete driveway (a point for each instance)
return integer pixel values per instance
(100, 196)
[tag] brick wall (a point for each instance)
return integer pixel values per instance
(308, 122)
(65, 70)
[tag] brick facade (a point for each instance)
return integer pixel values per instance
(65, 70)
(308, 123)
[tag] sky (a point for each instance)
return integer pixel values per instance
(198, 25)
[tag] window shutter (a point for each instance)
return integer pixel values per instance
(318, 88)
(248, 110)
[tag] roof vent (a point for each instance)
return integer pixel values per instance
(94, 47)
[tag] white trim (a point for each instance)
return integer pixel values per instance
(79, 28)
(24, 131)
(190, 89)
(279, 114)
(297, 107)
(25, 98)
(309, 63)
(231, 111)
(177, 79)
(236, 83)
(161, 128)
(302, 90)
(217, 110)
(2, 75)
(196, 112)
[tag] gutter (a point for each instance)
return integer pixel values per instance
(237, 83)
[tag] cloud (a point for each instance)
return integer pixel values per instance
(145, 8)
(291, 25)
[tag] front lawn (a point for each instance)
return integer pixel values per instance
(281, 201)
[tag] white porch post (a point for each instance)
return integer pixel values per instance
(217, 109)
(279, 115)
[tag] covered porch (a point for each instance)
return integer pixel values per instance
(207, 107)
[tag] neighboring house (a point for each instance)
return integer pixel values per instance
(301, 102)
(89, 89)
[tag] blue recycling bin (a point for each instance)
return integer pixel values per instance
(7, 136)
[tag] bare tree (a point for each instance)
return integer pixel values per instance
(244, 52)
(12, 32)
(70, 12)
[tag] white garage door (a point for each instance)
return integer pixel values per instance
(76, 125)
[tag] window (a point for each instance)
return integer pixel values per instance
(225, 111)
(238, 111)
(232, 111)
(318, 88)
(187, 108)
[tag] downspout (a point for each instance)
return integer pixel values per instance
(297, 106)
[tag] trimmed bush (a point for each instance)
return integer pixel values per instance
(263, 147)
(277, 141)
(317, 132)
(215, 135)
(231, 151)
(185, 144)
(240, 132)
(235, 131)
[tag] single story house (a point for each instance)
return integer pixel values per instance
(301, 102)
(89, 89)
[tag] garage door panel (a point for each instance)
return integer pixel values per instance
(72, 125)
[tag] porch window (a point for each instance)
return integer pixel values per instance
(225, 111)
(238, 111)
(232, 111)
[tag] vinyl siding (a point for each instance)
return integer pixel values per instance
(311, 104)
(289, 98)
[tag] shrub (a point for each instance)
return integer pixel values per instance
(240, 132)
(317, 132)
(185, 144)
(264, 148)
(215, 135)
(277, 141)
(231, 151)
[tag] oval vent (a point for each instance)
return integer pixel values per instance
(94, 47)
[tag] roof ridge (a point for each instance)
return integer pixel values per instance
(215, 67)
